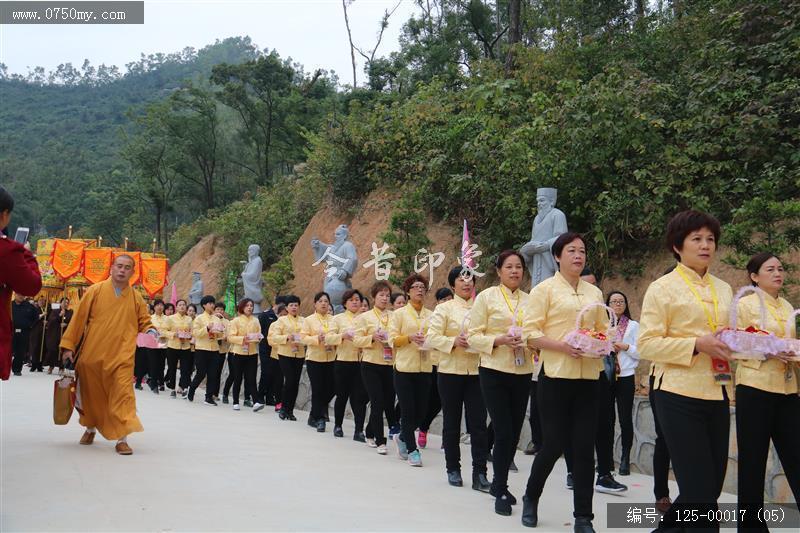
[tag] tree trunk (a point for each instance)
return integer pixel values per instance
(640, 8)
(350, 39)
(158, 224)
(514, 33)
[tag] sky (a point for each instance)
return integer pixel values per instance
(311, 32)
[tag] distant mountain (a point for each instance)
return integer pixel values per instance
(60, 132)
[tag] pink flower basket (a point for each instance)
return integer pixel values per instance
(790, 344)
(594, 344)
(750, 343)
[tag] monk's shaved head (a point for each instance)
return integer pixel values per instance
(125, 256)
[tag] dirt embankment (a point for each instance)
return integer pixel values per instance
(207, 257)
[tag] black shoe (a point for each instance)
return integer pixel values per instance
(325, 417)
(480, 482)
(512, 500)
(358, 436)
(570, 485)
(532, 449)
(321, 425)
(210, 401)
(173, 394)
(530, 511)
(337, 431)
(513, 467)
(291, 417)
(311, 421)
(625, 466)
(138, 386)
(282, 414)
(583, 525)
(608, 484)
(225, 400)
(18, 373)
(154, 390)
(248, 403)
(502, 505)
(454, 478)
(190, 395)
(161, 387)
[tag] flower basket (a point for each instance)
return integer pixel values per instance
(752, 342)
(595, 344)
(790, 344)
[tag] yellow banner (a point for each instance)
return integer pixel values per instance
(67, 257)
(154, 275)
(97, 264)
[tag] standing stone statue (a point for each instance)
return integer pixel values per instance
(340, 260)
(547, 226)
(251, 277)
(196, 292)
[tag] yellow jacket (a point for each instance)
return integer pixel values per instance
(552, 310)
(237, 329)
(347, 349)
(161, 323)
(278, 336)
(175, 324)
(408, 356)
(446, 324)
(313, 325)
(491, 317)
(367, 324)
(770, 375)
(672, 320)
(203, 339)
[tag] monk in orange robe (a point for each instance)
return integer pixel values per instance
(109, 318)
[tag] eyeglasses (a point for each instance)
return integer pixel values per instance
(616, 302)
(419, 286)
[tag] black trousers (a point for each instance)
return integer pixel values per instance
(457, 393)
(207, 364)
(506, 397)
(660, 453)
(434, 403)
(604, 432)
(380, 389)
(760, 417)
(569, 414)
(270, 381)
(534, 418)
(349, 385)
(244, 367)
(622, 390)
(140, 364)
(226, 389)
(187, 368)
(19, 349)
(321, 376)
(697, 437)
(412, 390)
(173, 357)
(292, 368)
(155, 364)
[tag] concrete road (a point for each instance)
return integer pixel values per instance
(202, 468)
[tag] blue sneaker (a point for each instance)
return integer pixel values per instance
(415, 458)
(402, 450)
(394, 430)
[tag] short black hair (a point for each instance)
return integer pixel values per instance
(291, 299)
(207, 299)
(6, 200)
(627, 311)
(191, 306)
(685, 222)
(349, 293)
(320, 294)
(755, 263)
(395, 295)
(379, 286)
(219, 305)
(158, 301)
(169, 306)
(505, 254)
(563, 240)
(454, 273)
(443, 293)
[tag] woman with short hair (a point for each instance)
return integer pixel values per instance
(347, 368)
(320, 337)
(285, 337)
(244, 334)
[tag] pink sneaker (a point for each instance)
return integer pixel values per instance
(422, 439)
(278, 407)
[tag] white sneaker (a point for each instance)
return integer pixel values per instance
(382, 449)
(257, 407)
(371, 443)
(236, 407)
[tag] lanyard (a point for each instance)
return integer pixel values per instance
(413, 313)
(323, 322)
(512, 310)
(713, 321)
(384, 323)
(296, 326)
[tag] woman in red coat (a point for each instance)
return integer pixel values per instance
(19, 273)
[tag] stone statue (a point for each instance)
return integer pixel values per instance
(196, 292)
(341, 261)
(547, 226)
(251, 277)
